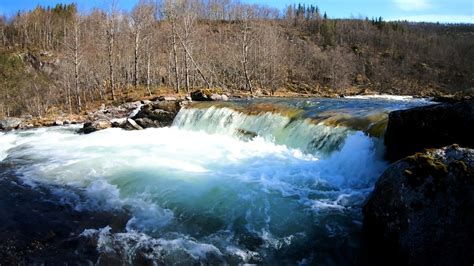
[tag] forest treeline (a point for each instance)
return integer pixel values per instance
(59, 58)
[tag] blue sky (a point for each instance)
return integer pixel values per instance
(413, 10)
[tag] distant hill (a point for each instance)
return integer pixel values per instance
(57, 58)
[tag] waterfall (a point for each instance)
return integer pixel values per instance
(294, 132)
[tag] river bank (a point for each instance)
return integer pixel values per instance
(122, 110)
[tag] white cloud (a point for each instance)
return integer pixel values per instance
(412, 5)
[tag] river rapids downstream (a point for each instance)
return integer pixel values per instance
(262, 181)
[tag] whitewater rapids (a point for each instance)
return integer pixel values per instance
(199, 192)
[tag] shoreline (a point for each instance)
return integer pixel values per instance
(29, 122)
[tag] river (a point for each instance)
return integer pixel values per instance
(268, 181)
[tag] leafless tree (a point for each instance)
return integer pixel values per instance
(142, 17)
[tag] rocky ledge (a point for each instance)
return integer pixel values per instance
(208, 95)
(422, 210)
(159, 112)
(434, 126)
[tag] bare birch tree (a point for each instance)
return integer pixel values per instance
(142, 18)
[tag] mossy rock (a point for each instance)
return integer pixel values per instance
(421, 210)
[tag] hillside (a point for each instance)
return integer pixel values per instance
(57, 59)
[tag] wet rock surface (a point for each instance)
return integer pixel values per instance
(130, 124)
(207, 95)
(107, 117)
(112, 112)
(10, 123)
(135, 115)
(157, 114)
(434, 126)
(36, 230)
(90, 127)
(421, 210)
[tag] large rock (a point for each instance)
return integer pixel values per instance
(435, 126)
(114, 112)
(206, 95)
(94, 126)
(200, 95)
(157, 114)
(422, 210)
(10, 123)
(169, 106)
(106, 117)
(131, 124)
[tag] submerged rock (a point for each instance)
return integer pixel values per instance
(245, 134)
(10, 123)
(421, 210)
(434, 126)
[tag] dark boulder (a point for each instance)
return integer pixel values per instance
(422, 210)
(157, 117)
(10, 123)
(147, 123)
(200, 95)
(207, 95)
(94, 126)
(169, 106)
(434, 126)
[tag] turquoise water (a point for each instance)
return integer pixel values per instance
(201, 191)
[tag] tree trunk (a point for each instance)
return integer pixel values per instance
(186, 72)
(135, 61)
(245, 50)
(175, 55)
(194, 63)
(148, 63)
(111, 40)
(76, 66)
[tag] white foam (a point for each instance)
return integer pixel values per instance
(7, 141)
(197, 184)
(127, 246)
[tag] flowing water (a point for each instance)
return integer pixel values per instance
(261, 181)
